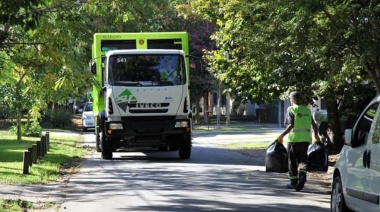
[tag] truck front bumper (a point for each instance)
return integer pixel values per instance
(130, 128)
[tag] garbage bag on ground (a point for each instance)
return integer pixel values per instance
(276, 158)
(317, 157)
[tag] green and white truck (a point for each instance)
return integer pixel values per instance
(141, 96)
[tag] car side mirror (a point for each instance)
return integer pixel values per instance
(348, 137)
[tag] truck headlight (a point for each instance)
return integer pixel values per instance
(182, 124)
(116, 126)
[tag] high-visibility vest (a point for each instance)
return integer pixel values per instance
(302, 122)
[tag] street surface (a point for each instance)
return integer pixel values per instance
(213, 179)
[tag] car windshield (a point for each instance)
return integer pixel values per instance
(147, 70)
(88, 107)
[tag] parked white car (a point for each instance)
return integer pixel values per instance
(87, 117)
(356, 176)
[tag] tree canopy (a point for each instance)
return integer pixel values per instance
(46, 45)
(322, 48)
(266, 48)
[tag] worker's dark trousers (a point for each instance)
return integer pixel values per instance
(297, 156)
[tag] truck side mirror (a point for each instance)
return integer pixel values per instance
(92, 67)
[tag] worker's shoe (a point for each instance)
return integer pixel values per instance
(292, 184)
(301, 181)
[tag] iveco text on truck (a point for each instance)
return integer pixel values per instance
(141, 97)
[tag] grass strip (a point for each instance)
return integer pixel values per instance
(63, 154)
(249, 145)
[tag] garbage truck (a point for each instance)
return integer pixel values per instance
(140, 95)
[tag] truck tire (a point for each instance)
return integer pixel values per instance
(185, 149)
(163, 148)
(173, 148)
(106, 154)
(106, 148)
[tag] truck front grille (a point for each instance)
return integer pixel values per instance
(136, 108)
(149, 111)
(144, 119)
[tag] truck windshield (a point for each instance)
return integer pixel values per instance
(147, 70)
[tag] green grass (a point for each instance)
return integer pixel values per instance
(14, 205)
(63, 151)
(227, 129)
(249, 145)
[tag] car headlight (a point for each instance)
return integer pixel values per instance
(116, 126)
(182, 124)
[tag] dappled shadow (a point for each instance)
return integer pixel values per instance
(213, 179)
(200, 155)
(213, 133)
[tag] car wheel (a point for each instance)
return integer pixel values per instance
(337, 202)
(185, 150)
(84, 129)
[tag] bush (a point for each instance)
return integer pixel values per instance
(35, 129)
(59, 118)
(4, 111)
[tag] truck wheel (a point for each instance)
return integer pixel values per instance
(173, 148)
(165, 148)
(106, 148)
(106, 154)
(185, 150)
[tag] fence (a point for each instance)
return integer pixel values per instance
(38, 150)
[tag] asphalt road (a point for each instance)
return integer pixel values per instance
(213, 179)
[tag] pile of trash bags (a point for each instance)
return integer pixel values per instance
(276, 158)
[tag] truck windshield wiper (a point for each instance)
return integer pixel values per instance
(127, 83)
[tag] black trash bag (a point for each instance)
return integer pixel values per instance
(317, 157)
(276, 158)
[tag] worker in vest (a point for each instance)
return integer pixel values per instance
(298, 121)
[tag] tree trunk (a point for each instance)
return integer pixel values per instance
(334, 124)
(28, 122)
(19, 133)
(205, 108)
(228, 109)
(197, 108)
(219, 105)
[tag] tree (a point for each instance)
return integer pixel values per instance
(51, 44)
(156, 16)
(17, 13)
(319, 47)
(44, 67)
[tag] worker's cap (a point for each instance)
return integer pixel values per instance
(295, 95)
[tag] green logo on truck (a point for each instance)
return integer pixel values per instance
(124, 98)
